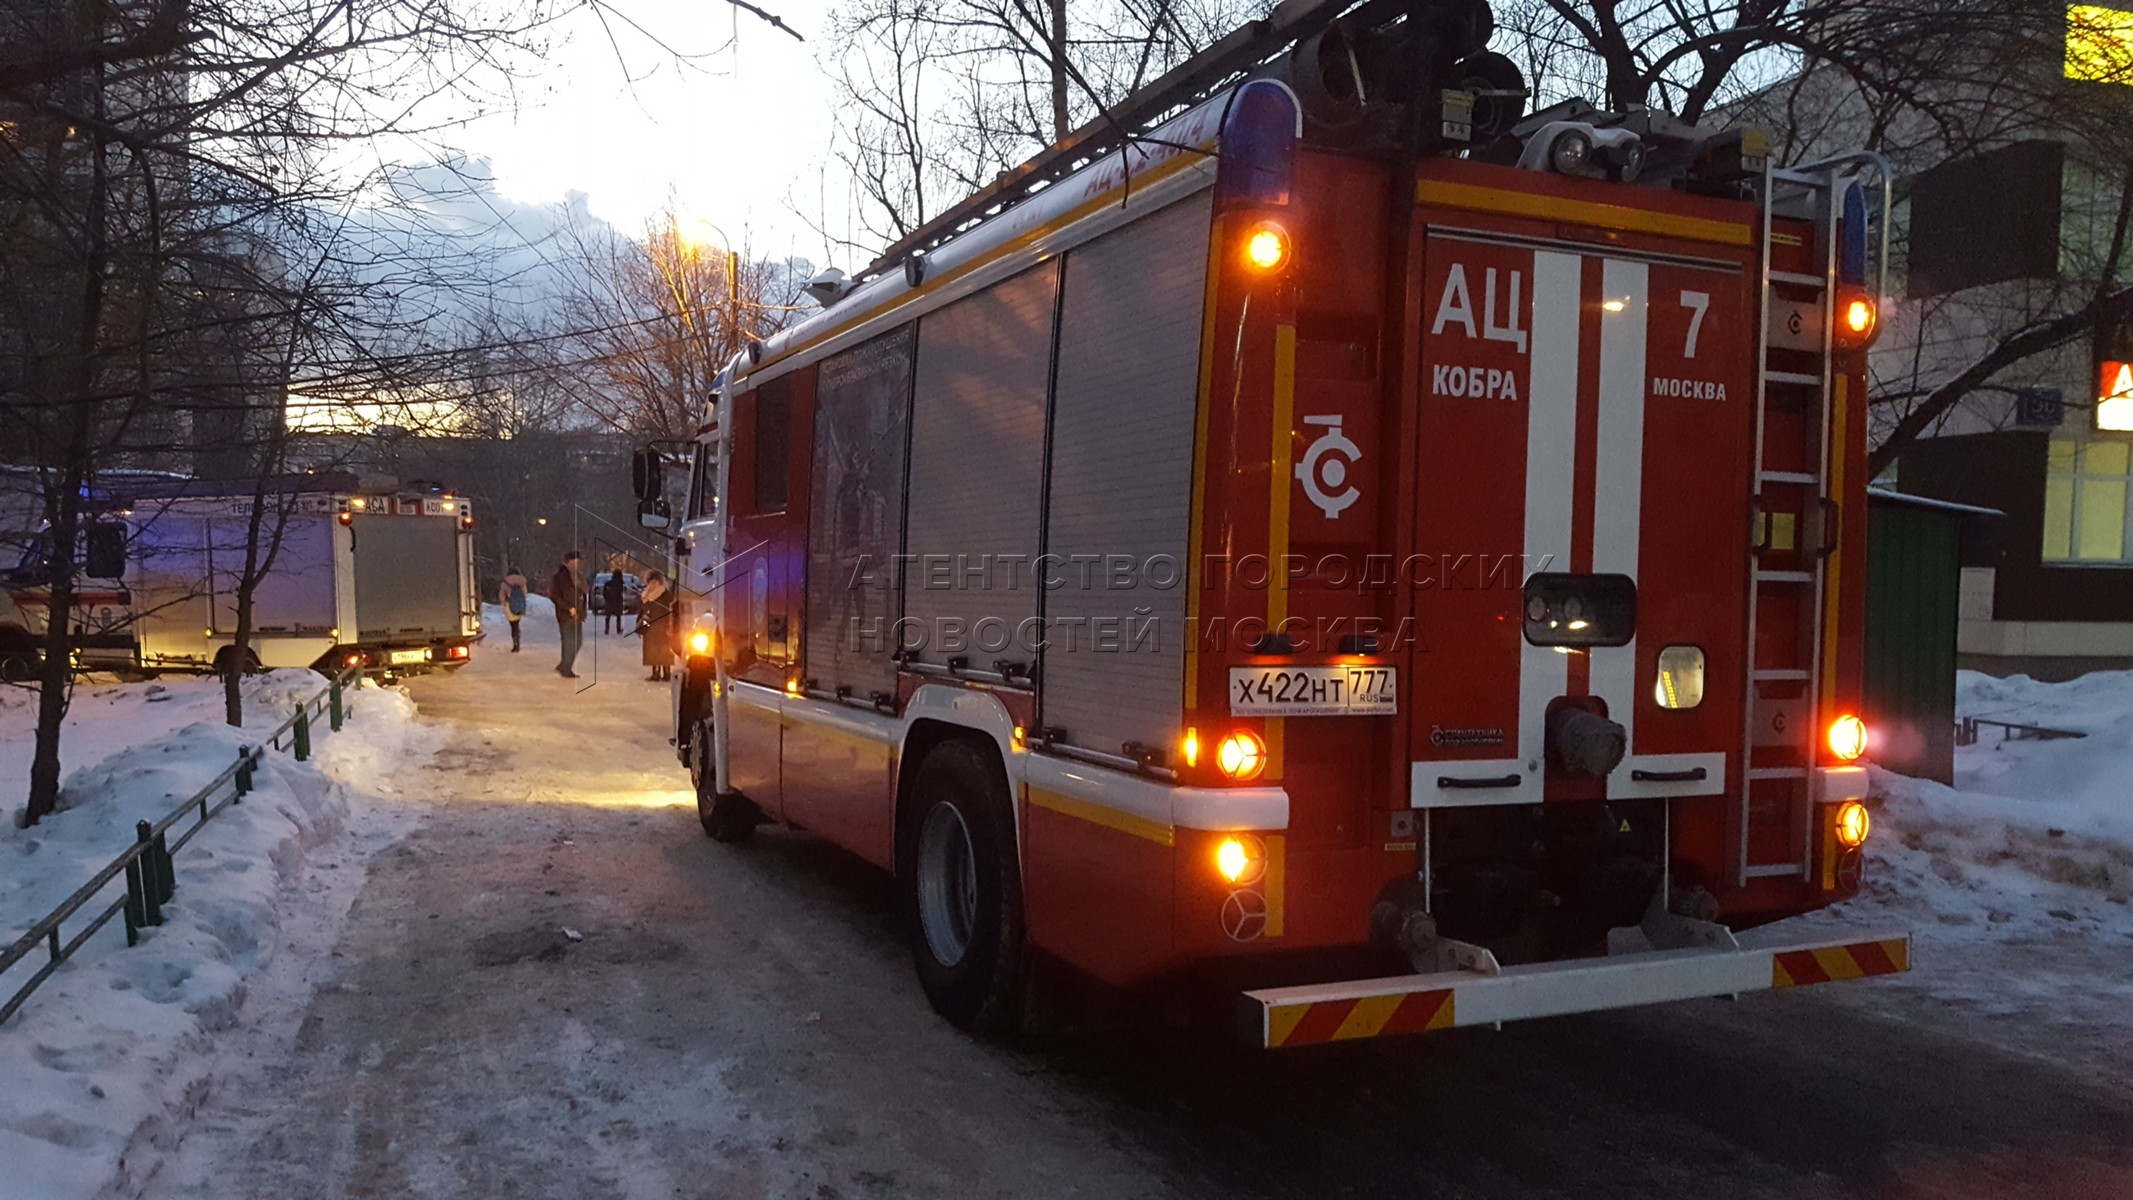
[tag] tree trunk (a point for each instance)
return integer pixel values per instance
(56, 677)
(74, 392)
(247, 586)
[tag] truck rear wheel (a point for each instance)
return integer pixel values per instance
(18, 666)
(963, 887)
(726, 817)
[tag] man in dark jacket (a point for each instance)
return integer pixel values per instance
(567, 589)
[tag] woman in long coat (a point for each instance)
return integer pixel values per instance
(656, 624)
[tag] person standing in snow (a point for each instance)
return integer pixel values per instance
(655, 620)
(611, 603)
(567, 590)
(512, 596)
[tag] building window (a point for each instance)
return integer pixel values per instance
(2085, 495)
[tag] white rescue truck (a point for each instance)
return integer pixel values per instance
(379, 580)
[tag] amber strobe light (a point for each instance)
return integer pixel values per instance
(1852, 824)
(1857, 321)
(700, 642)
(1266, 247)
(1847, 737)
(1241, 755)
(1241, 859)
(1189, 747)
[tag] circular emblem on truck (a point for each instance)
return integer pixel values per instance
(1324, 469)
(1244, 915)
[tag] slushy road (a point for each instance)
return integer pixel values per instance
(556, 986)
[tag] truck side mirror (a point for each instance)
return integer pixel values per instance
(647, 475)
(655, 513)
(106, 554)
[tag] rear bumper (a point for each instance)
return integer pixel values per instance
(1335, 1012)
(398, 658)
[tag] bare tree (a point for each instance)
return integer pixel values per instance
(128, 160)
(1921, 81)
(940, 96)
(652, 320)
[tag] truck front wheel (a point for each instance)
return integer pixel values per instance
(726, 817)
(963, 888)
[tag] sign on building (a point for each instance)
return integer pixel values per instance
(2099, 44)
(2114, 397)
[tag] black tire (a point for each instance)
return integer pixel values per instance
(962, 887)
(727, 817)
(19, 666)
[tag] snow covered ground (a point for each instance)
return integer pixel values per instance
(2017, 883)
(108, 716)
(109, 1051)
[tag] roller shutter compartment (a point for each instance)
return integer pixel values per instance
(1117, 536)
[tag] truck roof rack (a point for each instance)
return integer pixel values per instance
(1225, 62)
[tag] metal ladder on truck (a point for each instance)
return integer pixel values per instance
(1795, 519)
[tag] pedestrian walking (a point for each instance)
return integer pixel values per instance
(512, 596)
(611, 603)
(655, 622)
(567, 590)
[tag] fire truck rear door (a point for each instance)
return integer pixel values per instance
(1585, 434)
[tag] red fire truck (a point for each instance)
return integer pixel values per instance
(1321, 523)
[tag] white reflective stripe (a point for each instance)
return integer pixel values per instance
(1214, 809)
(1837, 784)
(1581, 984)
(1551, 472)
(1618, 474)
(845, 718)
(755, 695)
(1592, 985)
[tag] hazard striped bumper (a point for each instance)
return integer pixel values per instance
(1367, 1008)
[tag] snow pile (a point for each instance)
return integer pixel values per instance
(2016, 884)
(109, 1051)
(2085, 785)
(107, 716)
(2038, 833)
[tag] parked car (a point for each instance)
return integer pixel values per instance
(632, 592)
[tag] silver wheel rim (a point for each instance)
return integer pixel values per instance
(947, 884)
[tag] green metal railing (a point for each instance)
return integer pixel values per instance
(146, 865)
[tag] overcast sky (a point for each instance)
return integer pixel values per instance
(739, 136)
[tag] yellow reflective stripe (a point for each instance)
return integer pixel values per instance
(1581, 212)
(1833, 570)
(1281, 1021)
(1276, 883)
(1109, 818)
(1368, 1016)
(1277, 533)
(1837, 962)
(1202, 403)
(1899, 952)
